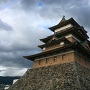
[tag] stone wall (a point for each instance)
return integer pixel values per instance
(57, 77)
(80, 58)
(84, 77)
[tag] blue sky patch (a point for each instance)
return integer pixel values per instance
(40, 3)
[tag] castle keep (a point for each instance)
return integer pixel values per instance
(69, 43)
(63, 64)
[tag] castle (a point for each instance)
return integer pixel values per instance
(63, 64)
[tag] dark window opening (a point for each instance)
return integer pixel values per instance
(39, 62)
(63, 57)
(47, 59)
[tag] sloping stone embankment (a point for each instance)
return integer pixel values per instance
(56, 77)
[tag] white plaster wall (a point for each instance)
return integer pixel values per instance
(71, 35)
(64, 27)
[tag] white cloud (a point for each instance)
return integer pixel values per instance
(14, 71)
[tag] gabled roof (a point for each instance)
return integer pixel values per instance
(62, 23)
(45, 40)
(52, 39)
(55, 42)
(73, 46)
(84, 32)
(88, 43)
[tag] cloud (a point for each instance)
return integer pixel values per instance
(83, 15)
(29, 4)
(55, 9)
(21, 41)
(12, 71)
(4, 1)
(5, 26)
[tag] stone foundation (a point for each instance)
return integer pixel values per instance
(84, 77)
(67, 76)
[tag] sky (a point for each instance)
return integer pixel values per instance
(24, 22)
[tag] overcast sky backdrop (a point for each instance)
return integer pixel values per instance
(24, 22)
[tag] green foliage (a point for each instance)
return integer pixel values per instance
(7, 80)
(1, 86)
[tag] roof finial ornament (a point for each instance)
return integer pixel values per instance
(64, 16)
(63, 19)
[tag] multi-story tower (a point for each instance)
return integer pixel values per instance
(69, 43)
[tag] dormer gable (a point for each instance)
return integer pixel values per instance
(55, 44)
(52, 39)
(47, 39)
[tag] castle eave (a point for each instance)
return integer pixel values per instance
(32, 57)
(73, 46)
(46, 39)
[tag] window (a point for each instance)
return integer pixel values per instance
(79, 31)
(47, 59)
(63, 57)
(85, 62)
(39, 62)
(55, 58)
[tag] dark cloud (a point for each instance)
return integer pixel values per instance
(29, 4)
(55, 9)
(2, 70)
(12, 55)
(26, 4)
(12, 51)
(4, 1)
(14, 45)
(5, 26)
(65, 2)
(83, 16)
(14, 60)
